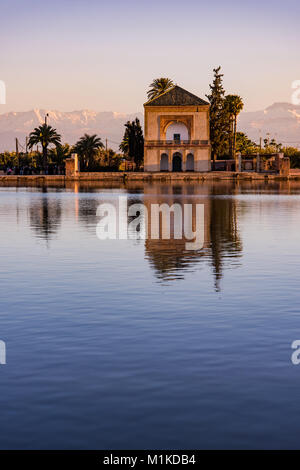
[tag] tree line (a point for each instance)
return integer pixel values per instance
(90, 149)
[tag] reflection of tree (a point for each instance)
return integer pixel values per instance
(169, 258)
(225, 242)
(45, 215)
(87, 208)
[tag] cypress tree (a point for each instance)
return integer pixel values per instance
(133, 142)
(218, 116)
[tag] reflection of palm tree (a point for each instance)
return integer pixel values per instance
(45, 216)
(159, 86)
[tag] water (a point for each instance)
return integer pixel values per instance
(141, 344)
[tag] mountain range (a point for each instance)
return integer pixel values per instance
(280, 121)
(71, 125)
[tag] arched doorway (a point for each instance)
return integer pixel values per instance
(164, 162)
(190, 162)
(177, 162)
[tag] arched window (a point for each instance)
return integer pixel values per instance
(164, 162)
(177, 131)
(190, 162)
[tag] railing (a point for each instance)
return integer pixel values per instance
(176, 143)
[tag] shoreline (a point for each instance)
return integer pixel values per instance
(147, 176)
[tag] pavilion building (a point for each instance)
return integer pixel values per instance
(177, 132)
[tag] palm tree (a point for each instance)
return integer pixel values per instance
(60, 153)
(124, 145)
(44, 135)
(87, 147)
(159, 86)
(233, 105)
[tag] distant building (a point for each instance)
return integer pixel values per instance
(177, 132)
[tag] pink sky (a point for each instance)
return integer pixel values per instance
(75, 54)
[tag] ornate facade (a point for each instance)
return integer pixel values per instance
(177, 132)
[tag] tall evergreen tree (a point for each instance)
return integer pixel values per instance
(218, 119)
(133, 142)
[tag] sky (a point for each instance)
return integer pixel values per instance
(102, 55)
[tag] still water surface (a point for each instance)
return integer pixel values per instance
(141, 344)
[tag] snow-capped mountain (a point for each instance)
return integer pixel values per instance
(280, 121)
(71, 125)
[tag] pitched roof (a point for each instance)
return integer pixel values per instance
(176, 96)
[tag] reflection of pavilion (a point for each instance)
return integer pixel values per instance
(170, 258)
